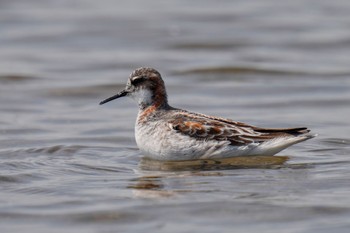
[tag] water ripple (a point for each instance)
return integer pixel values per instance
(257, 70)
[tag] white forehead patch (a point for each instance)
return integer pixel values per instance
(135, 78)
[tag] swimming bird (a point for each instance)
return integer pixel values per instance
(166, 133)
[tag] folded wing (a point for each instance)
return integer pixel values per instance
(204, 127)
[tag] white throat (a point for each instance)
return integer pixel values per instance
(142, 97)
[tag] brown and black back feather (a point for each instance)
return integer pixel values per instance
(206, 127)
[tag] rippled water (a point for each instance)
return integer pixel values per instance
(67, 164)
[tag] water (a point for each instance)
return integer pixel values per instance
(70, 165)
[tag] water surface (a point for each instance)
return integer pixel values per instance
(68, 164)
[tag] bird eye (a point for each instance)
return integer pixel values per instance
(137, 80)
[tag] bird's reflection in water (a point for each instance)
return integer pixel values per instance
(150, 187)
(214, 164)
(155, 173)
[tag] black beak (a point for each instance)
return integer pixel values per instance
(120, 94)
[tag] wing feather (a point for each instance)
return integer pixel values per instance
(205, 127)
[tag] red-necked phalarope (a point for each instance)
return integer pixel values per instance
(166, 133)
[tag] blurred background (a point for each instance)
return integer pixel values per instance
(68, 164)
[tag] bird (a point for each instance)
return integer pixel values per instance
(165, 133)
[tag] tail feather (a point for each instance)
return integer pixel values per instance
(292, 131)
(280, 143)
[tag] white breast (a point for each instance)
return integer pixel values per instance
(158, 141)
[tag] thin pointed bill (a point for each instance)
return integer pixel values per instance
(120, 94)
